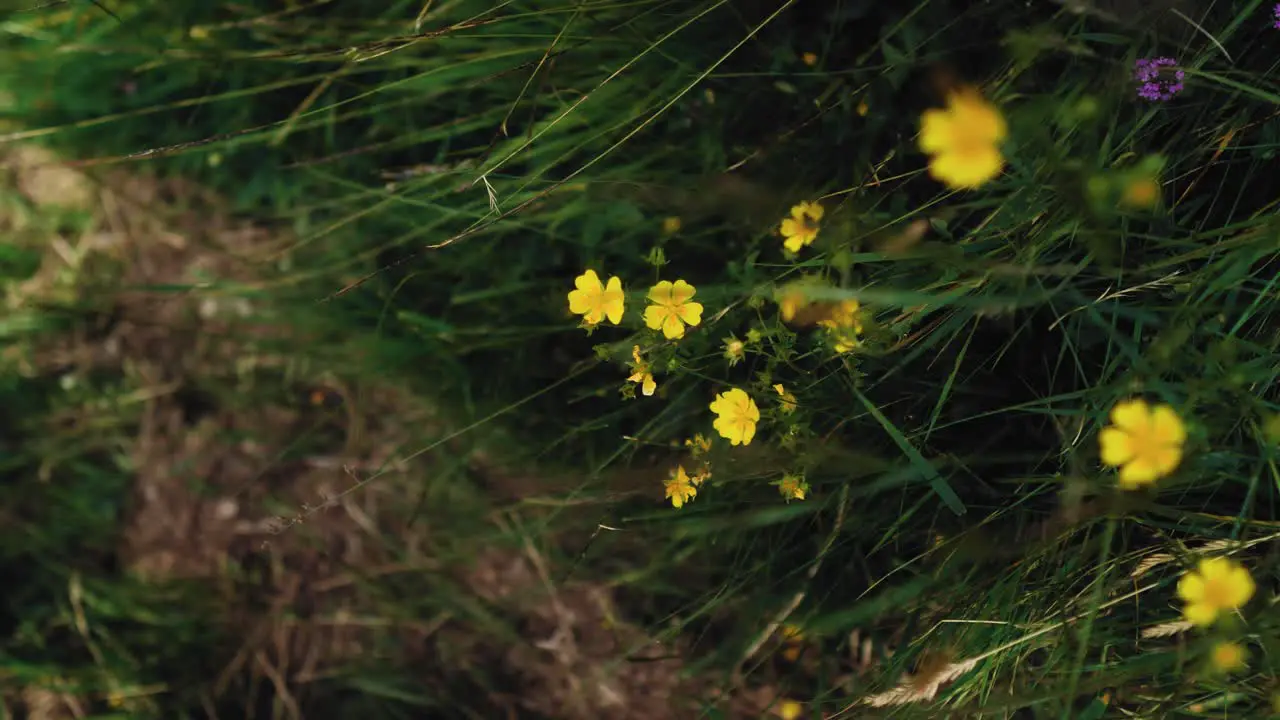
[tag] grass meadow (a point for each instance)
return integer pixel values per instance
(639, 359)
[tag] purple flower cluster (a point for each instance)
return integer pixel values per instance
(1158, 78)
(1276, 14)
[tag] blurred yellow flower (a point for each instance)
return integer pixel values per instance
(963, 140)
(793, 487)
(801, 228)
(789, 710)
(1271, 429)
(595, 301)
(1141, 192)
(862, 108)
(672, 308)
(737, 416)
(788, 402)
(640, 373)
(1216, 585)
(1228, 656)
(671, 225)
(1144, 442)
(733, 350)
(680, 488)
(809, 59)
(791, 302)
(702, 475)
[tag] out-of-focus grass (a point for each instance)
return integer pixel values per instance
(449, 168)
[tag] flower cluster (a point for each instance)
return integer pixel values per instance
(671, 306)
(844, 325)
(1216, 588)
(1158, 79)
(1275, 13)
(1146, 443)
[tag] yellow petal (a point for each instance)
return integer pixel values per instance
(681, 291)
(1137, 473)
(935, 131)
(727, 429)
(789, 228)
(977, 118)
(793, 243)
(649, 385)
(579, 302)
(1116, 445)
(672, 328)
(1167, 426)
(1191, 587)
(814, 211)
(614, 309)
(748, 431)
(661, 293)
(653, 316)
(690, 313)
(1241, 587)
(1214, 570)
(1166, 459)
(717, 405)
(588, 281)
(1200, 614)
(1131, 415)
(967, 170)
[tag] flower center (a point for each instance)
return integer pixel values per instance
(1217, 594)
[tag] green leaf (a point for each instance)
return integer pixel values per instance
(918, 461)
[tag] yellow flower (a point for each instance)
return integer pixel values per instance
(788, 403)
(594, 301)
(1217, 584)
(1144, 442)
(1141, 192)
(844, 325)
(809, 59)
(737, 416)
(680, 488)
(801, 228)
(793, 487)
(671, 225)
(671, 309)
(1228, 656)
(640, 373)
(699, 444)
(963, 140)
(789, 710)
(862, 108)
(733, 350)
